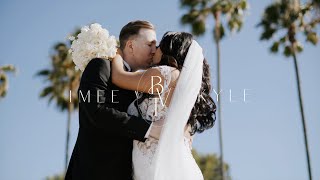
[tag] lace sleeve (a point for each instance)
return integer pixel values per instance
(166, 73)
(154, 108)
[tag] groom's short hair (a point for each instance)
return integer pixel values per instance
(132, 29)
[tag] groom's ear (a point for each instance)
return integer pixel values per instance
(129, 45)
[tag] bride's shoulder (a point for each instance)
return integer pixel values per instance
(168, 69)
(169, 72)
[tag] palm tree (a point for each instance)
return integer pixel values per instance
(209, 165)
(4, 82)
(56, 177)
(198, 12)
(63, 81)
(287, 18)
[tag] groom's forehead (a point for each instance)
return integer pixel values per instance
(147, 35)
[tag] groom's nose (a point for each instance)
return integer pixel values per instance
(153, 50)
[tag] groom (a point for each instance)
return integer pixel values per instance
(103, 150)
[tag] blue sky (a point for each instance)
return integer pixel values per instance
(262, 137)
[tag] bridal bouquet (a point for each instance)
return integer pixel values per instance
(92, 42)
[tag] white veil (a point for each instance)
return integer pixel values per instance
(171, 156)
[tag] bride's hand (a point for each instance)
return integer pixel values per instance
(156, 128)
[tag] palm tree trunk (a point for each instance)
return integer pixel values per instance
(219, 110)
(302, 115)
(217, 41)
(70, 109)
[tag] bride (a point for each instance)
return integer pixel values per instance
(176, 90)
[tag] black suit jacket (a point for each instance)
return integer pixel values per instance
(103, 150)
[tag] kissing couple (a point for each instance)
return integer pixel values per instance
(163, 95)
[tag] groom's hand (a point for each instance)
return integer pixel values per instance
(156, 128)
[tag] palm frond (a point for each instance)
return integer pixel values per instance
(46, 91)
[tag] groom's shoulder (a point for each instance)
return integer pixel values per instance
(99, 63)
(97, 68)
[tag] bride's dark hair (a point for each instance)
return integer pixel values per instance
(175, 46)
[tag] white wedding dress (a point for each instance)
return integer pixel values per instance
(144, 152)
